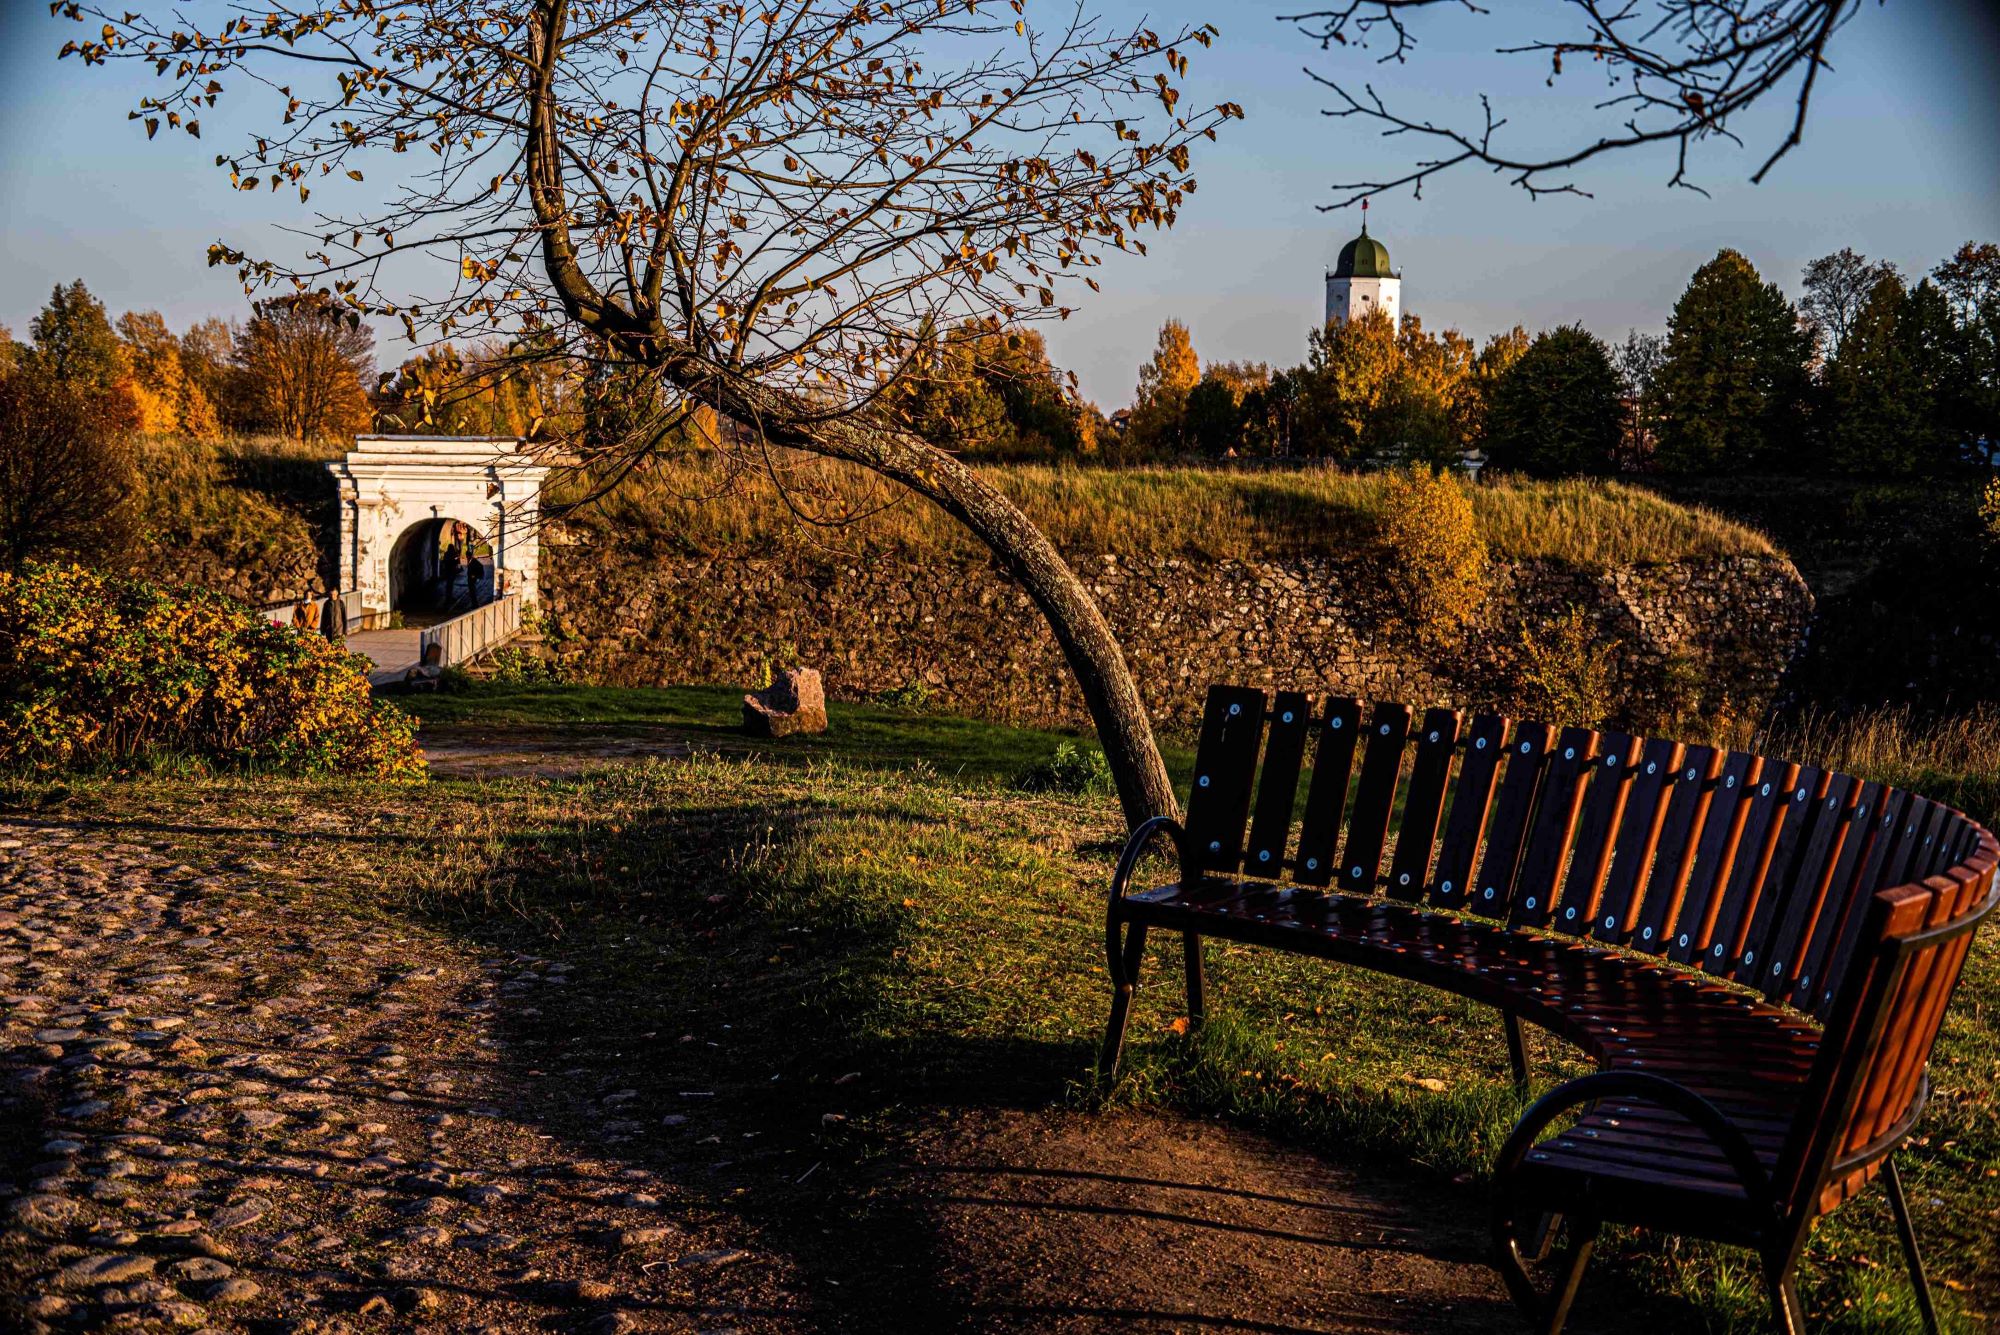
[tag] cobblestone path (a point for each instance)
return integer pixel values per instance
(220, 1110)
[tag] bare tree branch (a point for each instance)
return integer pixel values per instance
(1680, 72)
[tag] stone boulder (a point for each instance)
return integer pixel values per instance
(794, 702)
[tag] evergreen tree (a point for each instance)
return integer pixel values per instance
(1943, 359)
(74, 341)
(1733, 384)
(1557, 411)
(1876, 409)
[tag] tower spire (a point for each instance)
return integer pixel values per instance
(1364, 217)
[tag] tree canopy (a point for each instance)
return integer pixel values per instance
(1557, 410)
(1732, 386)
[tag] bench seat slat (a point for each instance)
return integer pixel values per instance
(1374, 798)
(1326, 794)
(1278, 783)
(1423, 803)
(1554, 824)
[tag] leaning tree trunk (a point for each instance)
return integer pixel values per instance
(637, 330)
(1092, 651)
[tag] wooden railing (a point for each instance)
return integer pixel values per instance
(464, 638)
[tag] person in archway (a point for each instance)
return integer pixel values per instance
(475, 577)
(448, 570)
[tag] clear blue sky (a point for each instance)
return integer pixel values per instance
(1901, 161)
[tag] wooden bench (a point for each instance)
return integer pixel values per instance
(1757, 954)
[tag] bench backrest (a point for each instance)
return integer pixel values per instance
(1765, 872)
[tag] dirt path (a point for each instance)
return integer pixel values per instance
(221, 1111)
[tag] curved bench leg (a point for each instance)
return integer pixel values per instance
(1197, 985)
(1900, 1207)
(1788, 1315)
(1125, 960)
(1517, 1051)
(1547, 1314)
(1583, 1241)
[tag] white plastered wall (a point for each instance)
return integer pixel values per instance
(390, 484)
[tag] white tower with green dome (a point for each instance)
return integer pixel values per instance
(1362, 280)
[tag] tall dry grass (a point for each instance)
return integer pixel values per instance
(1953, 758)
(703, 503)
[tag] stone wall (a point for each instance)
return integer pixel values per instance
(1690, 637)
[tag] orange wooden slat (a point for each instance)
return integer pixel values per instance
(1638, 839)
(1801, 815)
(1374, 798)
(1769, 803)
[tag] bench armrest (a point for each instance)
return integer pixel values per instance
(1643, 1087)
(1135, 845)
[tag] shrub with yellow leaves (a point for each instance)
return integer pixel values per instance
(98, 672)
(1436, 559)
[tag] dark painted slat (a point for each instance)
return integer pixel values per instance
(1919, 824)
(1555, 823)
(1527, 753)
(1801, 817)
(1843, 895)
(1471, 801)
(1638, 838)
(1716, 849)
(1374, 798)
(1901, 813)
(1694, 783)
(1423, 805)
(1927, 860)
(1785, 949)
(1278, 784)
(1769, 803)
(1610, 778)
(1225, 764)
(1326, 795)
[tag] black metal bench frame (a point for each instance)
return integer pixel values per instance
(1646, 900)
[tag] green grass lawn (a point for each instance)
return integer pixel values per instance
(835, 946)
(873, 735)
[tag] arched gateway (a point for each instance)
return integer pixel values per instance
(432, 526)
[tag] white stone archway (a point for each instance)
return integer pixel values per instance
(390, 484)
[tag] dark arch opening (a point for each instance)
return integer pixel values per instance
(438, 569)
